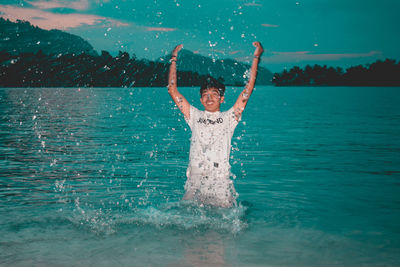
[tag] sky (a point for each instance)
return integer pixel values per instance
(338, 33)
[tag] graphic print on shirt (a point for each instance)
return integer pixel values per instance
(208, 121)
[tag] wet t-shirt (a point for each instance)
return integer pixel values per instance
(211, 141)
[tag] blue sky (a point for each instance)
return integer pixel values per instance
(332, 32)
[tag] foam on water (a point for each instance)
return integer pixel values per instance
(183, 215)
(186, 215)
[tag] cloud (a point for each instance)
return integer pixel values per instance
(77, 5)
(307, 56)
(160, 29)
(252, 4)
(297, 53)
(48, 20)
(298, 56)
(269, 25)
(234, 52)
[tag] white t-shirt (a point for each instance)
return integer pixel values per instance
(211, 141)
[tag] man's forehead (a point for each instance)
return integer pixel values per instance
(211, 89)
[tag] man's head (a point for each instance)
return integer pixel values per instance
(210, 82)
(212, 94)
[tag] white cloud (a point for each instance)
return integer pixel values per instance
(269, 25)
(252, 4)
(48, 20)
(160, 29)
(298, 56)
(77, 5)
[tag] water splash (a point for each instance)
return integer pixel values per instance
(189, 216)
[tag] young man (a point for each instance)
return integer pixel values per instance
(208, 174)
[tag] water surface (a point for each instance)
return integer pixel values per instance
(95, 177)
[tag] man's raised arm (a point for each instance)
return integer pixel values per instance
(241, 102)
(178, 98)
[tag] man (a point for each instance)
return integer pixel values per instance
(208, 175)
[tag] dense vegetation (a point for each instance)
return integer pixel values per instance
(380, 73)
(83, 70)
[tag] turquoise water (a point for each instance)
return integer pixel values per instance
(95, 177)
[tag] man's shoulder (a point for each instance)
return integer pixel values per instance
(194, 110)
(228, 112)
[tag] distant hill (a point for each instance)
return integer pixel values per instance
(21, 37)
(230, 70)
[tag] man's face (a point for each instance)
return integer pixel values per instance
(211, 99)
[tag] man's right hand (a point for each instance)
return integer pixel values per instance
(176, 50)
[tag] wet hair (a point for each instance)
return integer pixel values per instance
(210, 82)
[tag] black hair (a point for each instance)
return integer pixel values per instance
(210, 82)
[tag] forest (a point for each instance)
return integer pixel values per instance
(85, 70)
(379, 73)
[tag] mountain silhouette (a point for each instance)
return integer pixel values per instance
(233, 72)
(22, 37)
(34, 57)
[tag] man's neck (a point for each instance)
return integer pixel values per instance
(212, 111)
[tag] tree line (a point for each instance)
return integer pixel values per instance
(379, 73)
(87, 70)
(84, 70)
